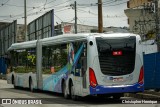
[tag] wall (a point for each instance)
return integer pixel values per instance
(140, 21)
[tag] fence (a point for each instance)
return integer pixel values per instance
(3, 66)
(152, 71)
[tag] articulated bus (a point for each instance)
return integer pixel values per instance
(79, 65)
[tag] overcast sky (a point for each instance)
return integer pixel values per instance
(113, 11)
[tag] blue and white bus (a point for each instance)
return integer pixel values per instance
(79, 64)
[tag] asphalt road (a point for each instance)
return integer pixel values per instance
(57, 100)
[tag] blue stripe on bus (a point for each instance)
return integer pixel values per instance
(78, 54)
(52, 79)
(116, 89)
(55, 74)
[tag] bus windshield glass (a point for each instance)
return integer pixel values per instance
(116, 55)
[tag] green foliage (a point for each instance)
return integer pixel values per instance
(22, 69)
(150, 35)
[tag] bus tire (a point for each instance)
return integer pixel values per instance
(157, 90)
(64, 91)
(31, 85)
(73, 96)
(118, 96)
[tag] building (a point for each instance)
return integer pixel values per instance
(67, 28)
(20, 37)
(9, 33)
(141, 18)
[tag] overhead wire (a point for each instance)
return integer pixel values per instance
(63, 8)
(43, 6)
(116, 4)
(4, 3)
(107, 1)
(37, 12)
(18, 6)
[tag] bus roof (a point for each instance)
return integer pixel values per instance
(23, 45)
(48, 41)
(64, 39)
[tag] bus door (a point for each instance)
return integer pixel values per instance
(83, 62)
(80, 75)
(80, 71)
(83, 71)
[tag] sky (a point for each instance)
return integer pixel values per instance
(87, 11)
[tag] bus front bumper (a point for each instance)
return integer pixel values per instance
(99, 89)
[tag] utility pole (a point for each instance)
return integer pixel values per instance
(75, 25)
(157, 19)
(25, 20)
(100, 18)
(157, 24)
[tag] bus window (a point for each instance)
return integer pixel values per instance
(23, 61)
(81, 66)
(54, 58)
(116, 56)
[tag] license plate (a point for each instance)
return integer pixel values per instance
(118, 79)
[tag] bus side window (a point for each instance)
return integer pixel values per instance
(82, 64)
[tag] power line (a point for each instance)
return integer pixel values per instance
(116, 4)
(43, 6)
(86, 5)
(4, 3)
(18, 5)
(31, 14)
(14, 16)
(108, 16)
(104, 3)
(59, 4)
(87, 12)
(107, 1)
(14, 5)
(58, 17)
(37, 12)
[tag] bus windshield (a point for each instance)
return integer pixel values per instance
(116, 56)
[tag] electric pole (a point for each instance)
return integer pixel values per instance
(100, 18)
(157, 24)
(75, 25)
(157, 19)
(25, 20)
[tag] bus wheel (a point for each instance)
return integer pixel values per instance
(117, 96)
(64, 89)
(157, 90)
(31, 85)
(73, 96)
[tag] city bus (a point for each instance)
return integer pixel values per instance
(79, 65)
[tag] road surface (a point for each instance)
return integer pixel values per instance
(57, 100)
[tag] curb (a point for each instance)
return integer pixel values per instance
(3, 77)
(144, 96)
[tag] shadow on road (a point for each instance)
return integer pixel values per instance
(56, 98)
